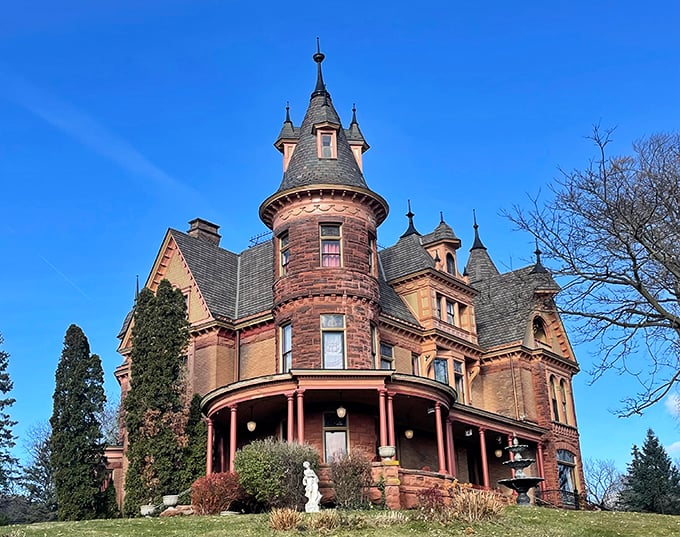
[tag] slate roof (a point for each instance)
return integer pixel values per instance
(215, 271)
(442, 232)
(305, 167)
(407, 256)
(505, 302)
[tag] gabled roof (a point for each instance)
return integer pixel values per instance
(215, 271)
(505, 302)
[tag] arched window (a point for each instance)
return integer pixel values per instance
(450, 264)
(566, 464)
(539, 331)
(553, 397)
(563, 397)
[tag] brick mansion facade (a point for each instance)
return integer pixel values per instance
(317, 335)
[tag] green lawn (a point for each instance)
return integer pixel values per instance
(515, 522)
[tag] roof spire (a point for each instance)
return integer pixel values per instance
(477, 244)
(354, 115)
(411, 230)
(538, 267)
(320, 88)
(287, 113)
(137, 289)
(441, 217)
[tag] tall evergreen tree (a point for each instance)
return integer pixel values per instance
(7, 439)
(77, 452)
(156, 407)
(652, 484)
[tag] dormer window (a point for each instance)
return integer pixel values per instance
(326, 142)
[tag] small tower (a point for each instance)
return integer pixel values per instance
(324, 220)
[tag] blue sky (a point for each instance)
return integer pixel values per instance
(121, 119)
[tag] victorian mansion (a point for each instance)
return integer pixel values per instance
(317, 335)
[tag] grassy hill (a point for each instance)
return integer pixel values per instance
(515, 522)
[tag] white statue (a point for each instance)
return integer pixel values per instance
(311, 484)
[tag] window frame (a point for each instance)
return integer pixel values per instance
(450, 263)
(566, 475)
(450, 311)
(441, 362)
(332, 136)
(284, 253)
(386, 358)
(334, 429)
(334, 331)
(286, 351)
(326, 239)
(553, 396)
(459, 379)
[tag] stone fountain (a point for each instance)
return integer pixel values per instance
(520, 483)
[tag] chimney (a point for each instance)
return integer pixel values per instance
(204, 230)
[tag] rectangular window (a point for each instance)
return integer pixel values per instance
(330, 245)
(286, 347)
(415, 365)
(371, 256)
(333, 341)
(450, 312)
(374, 345)
(566, 462)
(459, 380)
(439, 307)
(326, 146)
(285, 253)
(334, 436)
(386, 356)
(441, 370)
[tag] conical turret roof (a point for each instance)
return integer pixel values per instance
(306, 167)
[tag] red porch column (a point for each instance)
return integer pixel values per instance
(383, 420)
(450, 448)
(291, 416)
(539, 453)
(485, 463)
(390, 419)
(440, 437)
(209, 451)
(301, 416)
(232, 436)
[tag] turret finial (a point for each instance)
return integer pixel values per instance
(538, 267)
(411, 230)
(318, 57)
(354, 115)
(288, 112)
(477, 244)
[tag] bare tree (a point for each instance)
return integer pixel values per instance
(612, 233)
(603, 482)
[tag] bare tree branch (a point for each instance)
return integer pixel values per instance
(611, 234)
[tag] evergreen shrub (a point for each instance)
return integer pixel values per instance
(212, 494)
(271, 472)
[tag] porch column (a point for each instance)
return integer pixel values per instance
(383, 420)
(440, 437)
(209, 450)
(539, 453)
(450, 447)
(390, 419)
(301, 416)
(485, 463)
(232, 436)
(291, 416)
